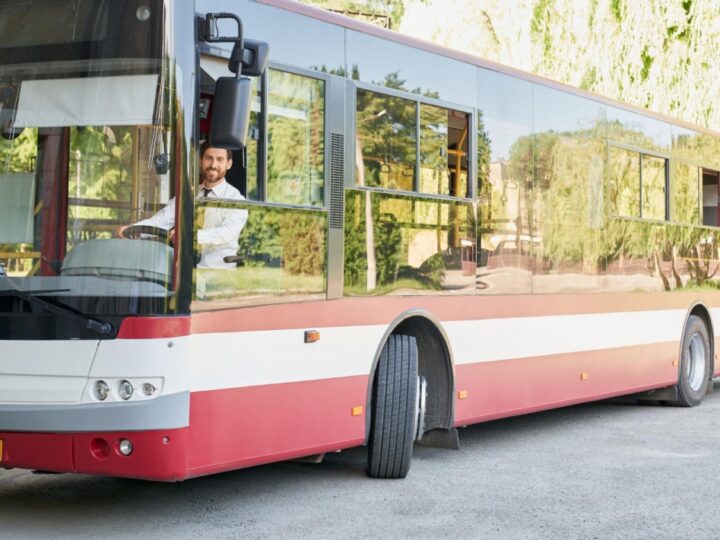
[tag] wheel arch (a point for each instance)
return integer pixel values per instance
(699, 309)
(435, 363)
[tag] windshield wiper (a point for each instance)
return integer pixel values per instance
(59, 308)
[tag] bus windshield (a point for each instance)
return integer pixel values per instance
(84, 150)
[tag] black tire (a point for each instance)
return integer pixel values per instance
(695, 363)
(394, 405)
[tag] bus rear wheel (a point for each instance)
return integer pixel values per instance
(695, 363)
(394, 409)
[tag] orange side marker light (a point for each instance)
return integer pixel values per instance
(584, 376)
(356, 411)
(311, 336)
(463, 394)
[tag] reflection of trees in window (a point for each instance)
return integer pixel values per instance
(698, 147)
(296, 152)
(653, 188)
(624, 177)
(684, 193)
(100, 174)
(19, 154)
(415, 247)
(281, 258)
(386, 138)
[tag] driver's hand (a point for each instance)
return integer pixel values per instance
(120, 230)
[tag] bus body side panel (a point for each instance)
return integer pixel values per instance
(512, 387)
(241, 427)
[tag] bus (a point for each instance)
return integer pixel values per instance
(429, 240)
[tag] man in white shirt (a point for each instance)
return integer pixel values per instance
(219, 235)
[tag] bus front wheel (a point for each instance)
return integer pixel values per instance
(394, 405)
(695, 363)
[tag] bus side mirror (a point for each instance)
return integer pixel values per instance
(231, 113)
(251, 56)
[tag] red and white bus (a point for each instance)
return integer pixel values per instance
(431, 240)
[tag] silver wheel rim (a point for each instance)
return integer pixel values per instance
(420, 400)
(695, 362)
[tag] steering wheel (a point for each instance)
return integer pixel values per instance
(148, 232)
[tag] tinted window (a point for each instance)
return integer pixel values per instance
(638, 130)
(684, 193)
(443, 151)
(653, 188)
(385, 63)
(624, 179)
(409, 244)
(386, 143)
(280, 257)
(296, 137)
(505, 172)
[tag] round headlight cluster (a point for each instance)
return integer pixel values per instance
(102, 390)
(125, 390)
(121, 389)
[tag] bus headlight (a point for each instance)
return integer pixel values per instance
(101, 390)
(125, 390)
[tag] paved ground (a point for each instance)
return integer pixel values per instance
(593, 471)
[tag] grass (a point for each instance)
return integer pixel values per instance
(253, 280)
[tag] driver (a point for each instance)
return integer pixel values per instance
(219, 235)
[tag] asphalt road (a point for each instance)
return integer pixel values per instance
(602, 470)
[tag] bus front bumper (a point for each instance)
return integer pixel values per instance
(154, 455)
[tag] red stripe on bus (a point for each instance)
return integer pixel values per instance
(513, 387)
(378, 311)
(154, 327)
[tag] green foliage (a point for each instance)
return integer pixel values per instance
(279, 238)
(303, 243)
(19, 154)
(355, 242)
(387, 135)
(647, 62)
(388, 239)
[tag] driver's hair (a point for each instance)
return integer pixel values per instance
(206, 144)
